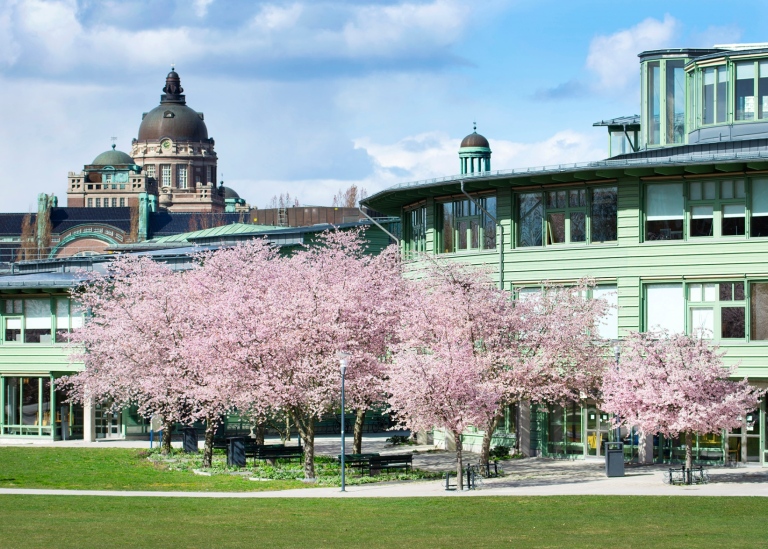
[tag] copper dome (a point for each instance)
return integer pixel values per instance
(172, 118)
(475, 140)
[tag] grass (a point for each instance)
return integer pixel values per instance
(113, 469)
(587, 521)
(129, 469)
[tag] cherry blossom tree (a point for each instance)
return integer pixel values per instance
(290, 316)
(140, 346)
(440, 372)
(675, 384)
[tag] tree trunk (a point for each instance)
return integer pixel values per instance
(357, 443)
(306, 427)
(167, 432)
(260, 431)
(688, 456)
(287, 428)
(485, 451)
(210, 430)
(459, 463)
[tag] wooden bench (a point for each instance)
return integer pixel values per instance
(357, 461)
(387, 463)
(274, 452)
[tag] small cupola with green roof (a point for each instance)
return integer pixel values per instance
(475, 153)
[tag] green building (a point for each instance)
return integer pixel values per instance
(673, 226)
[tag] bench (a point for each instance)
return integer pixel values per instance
(695, 475)
(274, 452)
(377, 464)
(357, 461)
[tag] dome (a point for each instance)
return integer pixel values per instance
(112, 158)
(175, 121)
(172, 118)
(475, 140)
(229, 192)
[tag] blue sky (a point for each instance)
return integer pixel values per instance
(308, 97)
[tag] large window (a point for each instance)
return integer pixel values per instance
(415, 237)
(751, 90)
(466, 227)
(733, 309)
(567, 216)
(664, 102)
(37, 320)
(675, 101)
(149, 170)
(69, 316)
(165, 175)
(715, 208)
(654, 103)
(714, 95)
(181, 176)
(32, 320)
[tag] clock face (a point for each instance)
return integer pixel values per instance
(166, 144)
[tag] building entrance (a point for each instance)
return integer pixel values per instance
(107, 423)
(598, 431)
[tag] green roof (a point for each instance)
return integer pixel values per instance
(233, 228)
(112, 158)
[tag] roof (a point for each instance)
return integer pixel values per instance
(602, 169)
(42, 280)
(631, 120)
(113, 157)
(223, 230)
(10, 223)
(167, 223)
(63, 219)
(475, 140)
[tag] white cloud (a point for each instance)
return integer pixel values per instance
(613, 58)
(56, 41)
(201, 7)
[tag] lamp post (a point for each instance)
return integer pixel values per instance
(344, 360)
(617, 356)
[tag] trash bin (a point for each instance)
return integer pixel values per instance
(236, 452)
(189, 440)
(614, 459)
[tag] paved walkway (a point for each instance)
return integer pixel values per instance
(526, 477)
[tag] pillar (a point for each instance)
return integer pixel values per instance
(89, 421)
(645, 449)
(524, 428)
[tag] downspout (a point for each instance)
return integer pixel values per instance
(372, 220)
(500, 242)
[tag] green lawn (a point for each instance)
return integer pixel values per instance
(82, 522)
(111, 469)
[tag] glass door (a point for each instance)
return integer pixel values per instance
(108, 423)
(598, 431)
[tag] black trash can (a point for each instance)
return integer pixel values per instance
(189, 440)
(236, 452)
(614, 459)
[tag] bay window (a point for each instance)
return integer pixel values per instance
(467, 227)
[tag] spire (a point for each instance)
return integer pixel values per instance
(474, 127)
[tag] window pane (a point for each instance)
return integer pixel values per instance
(710, 190)
(665, 307)
(654, 102)
(578, 227)
(759, 222)
(710, 292)
(603, 225)
(762, 90)
(609, 324)
(531, 217)
(664, 212)
(702, 322)
(556, 228)
(62, 319)
(734, 219)
(30, 390)
(745, 91)
(37, 321)
(759, 311)
(708, 97)
(726, 291)
(738, 291)
(13, 330)
(675, 93)
(740, 189)
(695, 191)
(732, 323)
(489, 227)
(462, 236)
(448, 228)
(722, 93)
(701, 221)
(694, 292)
(578, 198)
(726, 189)
(474, 228)
(12, 394)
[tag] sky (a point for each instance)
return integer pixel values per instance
(309, 97)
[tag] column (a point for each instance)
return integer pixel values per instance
(524, 428)
(89, 421)
(645, 449)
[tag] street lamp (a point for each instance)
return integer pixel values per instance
(617, 356)
(343, 360)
